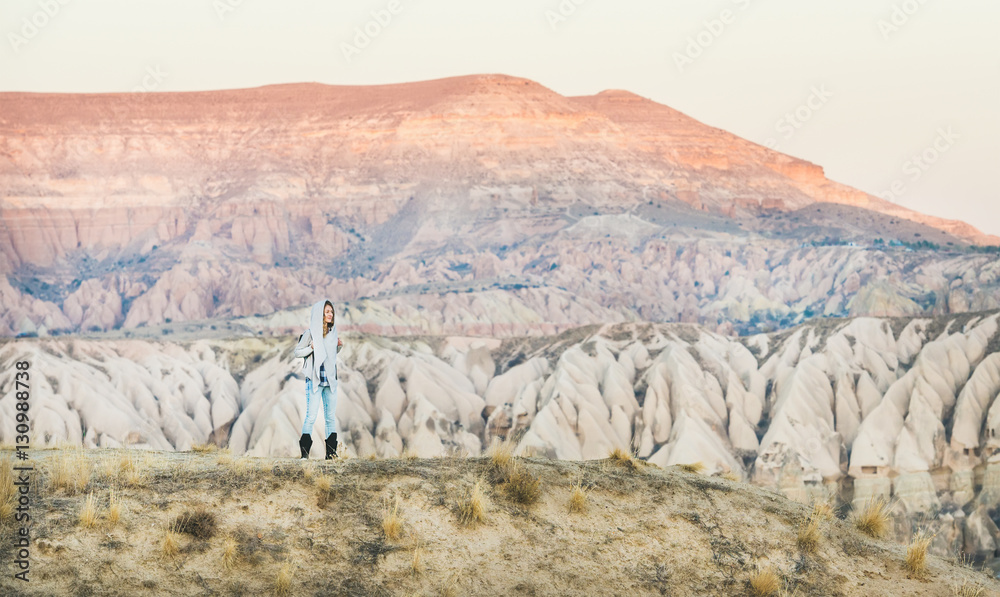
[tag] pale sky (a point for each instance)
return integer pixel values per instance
(869, 84)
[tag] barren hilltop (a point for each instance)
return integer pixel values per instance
(123, 523)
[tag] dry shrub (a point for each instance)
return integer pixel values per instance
(578, 499)
(204, 448)
(808, 538)
(695, 468)
(199, 523)
(89, 514)
(873, 520)
(521, 486)
(731, 476)
(513, 478)
(408, 454)
(170, 544)
(472, 511)
(392, 522)
(230, 553)
(70, 472)
(8, 493)
(283, 584)
(764, 582)
(967, 589)
(916, 555)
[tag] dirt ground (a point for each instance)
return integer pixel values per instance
(282, 526)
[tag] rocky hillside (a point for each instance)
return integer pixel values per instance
(839, 409)
(442, 201)
(191, 524)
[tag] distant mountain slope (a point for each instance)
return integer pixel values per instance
(122, 210)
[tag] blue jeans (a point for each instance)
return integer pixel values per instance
(328, 396)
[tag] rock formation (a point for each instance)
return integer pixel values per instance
(838, 410)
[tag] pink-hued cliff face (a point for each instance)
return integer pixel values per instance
(123, 210)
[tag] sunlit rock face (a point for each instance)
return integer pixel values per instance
(446, 202)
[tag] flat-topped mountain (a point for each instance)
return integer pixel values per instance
(125, 210)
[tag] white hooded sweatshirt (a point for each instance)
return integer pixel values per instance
(323, 352)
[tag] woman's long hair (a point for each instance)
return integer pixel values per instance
(328, 326)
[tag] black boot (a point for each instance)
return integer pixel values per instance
(305, 443)
(331, 446)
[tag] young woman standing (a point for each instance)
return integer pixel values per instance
(319, 346)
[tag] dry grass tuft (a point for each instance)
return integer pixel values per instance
(225, 457)
(8, 493)
(501, 454)
(873, 520)
(323, 484)
(6, 511)
(89, 514)
(199, 523)
(308, 472)
(731, 476)
(131, 469)
(243, 468)
(695, 468)
(417, 566)
(230, 553)
(114, 514)
(204, 448)
(822, 511)
(968, 589)
(170, 544)
(408, 454)
(392, 522)
(916, 555)
(764, 582)
(809, 536)
(578, 499)
(324, 491)
(623, 459)
(472, 511)
(512, 477)
(70, 471)
(521, 486)
(283, 584)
